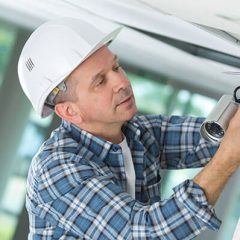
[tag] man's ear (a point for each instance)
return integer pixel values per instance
(68, 111)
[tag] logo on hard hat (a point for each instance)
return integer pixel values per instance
(29, 64)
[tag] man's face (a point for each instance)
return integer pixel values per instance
(104, 93)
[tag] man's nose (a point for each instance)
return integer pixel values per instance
(121, 81)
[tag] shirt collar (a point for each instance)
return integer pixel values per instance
(97, 145)
(131, 129)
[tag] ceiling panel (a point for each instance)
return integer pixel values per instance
(221, 14)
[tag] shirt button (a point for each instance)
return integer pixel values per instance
(115, 148)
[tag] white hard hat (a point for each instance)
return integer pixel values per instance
(52, 52)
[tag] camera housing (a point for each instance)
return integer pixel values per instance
(214, 127)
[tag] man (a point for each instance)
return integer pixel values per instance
(97, 176)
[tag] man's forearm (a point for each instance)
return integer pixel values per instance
(215, 175)
(225, 162)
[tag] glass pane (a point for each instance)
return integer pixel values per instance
(232, 215)
(201, 105)
(32, 138)
(31, 141)
(7, 226)
(15, 187)
(173, 178)
(43, 122)
(181, 102)
(151, 96)
(7, 40)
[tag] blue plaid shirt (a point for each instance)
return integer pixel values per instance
(76, 187)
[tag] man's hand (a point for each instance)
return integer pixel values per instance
(230, 146)
(225, 162)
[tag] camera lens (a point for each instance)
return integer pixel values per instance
(214, 130)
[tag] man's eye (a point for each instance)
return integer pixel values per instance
(116, 69)
(101, 81)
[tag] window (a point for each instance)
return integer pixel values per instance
(156, 96)
(7, 40)
(151, 96)
(11, 206)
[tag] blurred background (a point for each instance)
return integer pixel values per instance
(177, 55)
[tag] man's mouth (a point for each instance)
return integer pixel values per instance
(125, 101)
(124, 98)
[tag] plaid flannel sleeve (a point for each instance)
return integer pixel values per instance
(89, 205)
(179, 140)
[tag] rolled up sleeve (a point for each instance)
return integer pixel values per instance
(195, 201)
(183, 216)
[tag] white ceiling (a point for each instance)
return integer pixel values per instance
(221, 14)
(170, 18)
